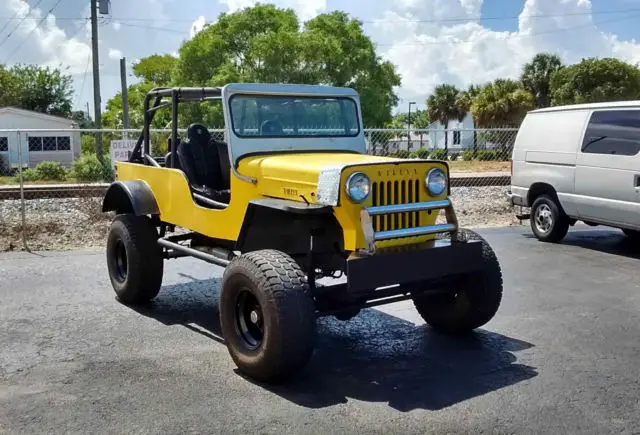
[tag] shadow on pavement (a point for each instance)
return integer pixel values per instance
(374, 357)
(607, 241)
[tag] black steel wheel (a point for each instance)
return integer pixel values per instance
(267, 315)
(134, 259)
(249, 319)
(471, 302)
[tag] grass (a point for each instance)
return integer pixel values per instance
(11, 181)
(479, 166)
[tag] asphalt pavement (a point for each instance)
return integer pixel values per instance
(561, 356)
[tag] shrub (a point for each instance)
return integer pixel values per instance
(454, 156)
(88, 169)
(400, 154)
(439, 154)
(488, 155)
(467, 155)
(5, 169)
(51, 171)
(88, 144)
(422, 153)
(108, 172)
(29, 174)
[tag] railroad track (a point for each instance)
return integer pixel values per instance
(52, 191)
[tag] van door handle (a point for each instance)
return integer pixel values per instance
(636, 181)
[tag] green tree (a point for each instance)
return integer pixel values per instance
(9, 88)
(536, 77)
(442, 107)
(595, 80)
(267, 44)
(155, 69)
(501, 103)
(464, 102)
(43, 89)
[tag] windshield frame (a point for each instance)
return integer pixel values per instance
(240, 147)
(301, 97)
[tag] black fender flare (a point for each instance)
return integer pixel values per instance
(130, 196)
(283, 224)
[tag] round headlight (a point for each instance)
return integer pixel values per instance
(358, 187)
(436, 182)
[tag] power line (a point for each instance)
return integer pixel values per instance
(434, 20)
(8, 21)
(566, 29)
(20, 22)
(33, 30)
(84, 77)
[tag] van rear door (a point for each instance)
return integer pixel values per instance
(607, 180)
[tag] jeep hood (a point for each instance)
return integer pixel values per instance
(295, 175)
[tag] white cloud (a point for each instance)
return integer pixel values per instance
(438, 49)
(197, 26)
(306, 9)
(115, 54)
(47, 44)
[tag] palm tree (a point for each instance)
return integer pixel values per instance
(464, 102)
(501, 103)
(536, 76)
(441, 107)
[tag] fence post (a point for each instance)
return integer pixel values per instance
(23, 206)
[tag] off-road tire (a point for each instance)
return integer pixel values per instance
(142, 278)
(472, 303)
(633, 235)
(560, 221)
(287, 315)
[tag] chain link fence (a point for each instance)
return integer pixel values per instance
(52, 183)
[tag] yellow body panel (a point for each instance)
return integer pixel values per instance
(287, 176)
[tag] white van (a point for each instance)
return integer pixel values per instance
(579, 163)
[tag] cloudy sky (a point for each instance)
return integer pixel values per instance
(430, 41)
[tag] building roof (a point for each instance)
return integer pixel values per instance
(35, 114)
(590, 106)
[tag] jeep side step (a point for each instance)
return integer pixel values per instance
(209, 258)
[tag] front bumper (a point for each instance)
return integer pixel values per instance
(518, 200)
(444, 258)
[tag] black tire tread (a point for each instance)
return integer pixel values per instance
(145, 262)
(287, 293)
(486, 299)
(561, 220)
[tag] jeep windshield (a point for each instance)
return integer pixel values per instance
(293, 116)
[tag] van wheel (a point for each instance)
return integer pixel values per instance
(267, 315)
(549, 223)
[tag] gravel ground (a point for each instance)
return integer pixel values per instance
(67, 224)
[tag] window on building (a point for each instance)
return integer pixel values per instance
(35, 143)
(4, 144)
(456, 137)
(64, 143)
(49, 143)
(613, 132)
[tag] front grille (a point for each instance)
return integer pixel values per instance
(393, 193)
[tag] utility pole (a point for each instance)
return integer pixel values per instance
(125, 95)
(96, 76)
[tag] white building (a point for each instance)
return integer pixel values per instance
(459, 134)
(33, 147)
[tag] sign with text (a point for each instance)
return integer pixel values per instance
(121, 149)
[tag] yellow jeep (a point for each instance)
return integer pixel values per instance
(290, 198)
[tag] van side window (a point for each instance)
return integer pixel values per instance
(613, 132)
